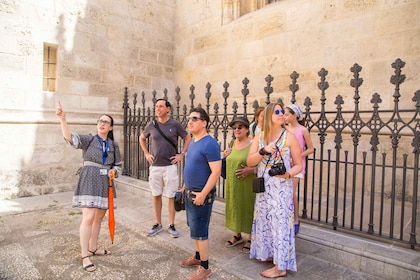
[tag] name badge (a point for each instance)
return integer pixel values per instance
(103, 171)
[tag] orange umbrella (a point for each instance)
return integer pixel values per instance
(111, 221)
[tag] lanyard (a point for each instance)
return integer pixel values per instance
(104, 145)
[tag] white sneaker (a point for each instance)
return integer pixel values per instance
(174, 233)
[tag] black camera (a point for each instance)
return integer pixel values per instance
(277, 169)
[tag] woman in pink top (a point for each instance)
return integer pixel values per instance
(295, 124)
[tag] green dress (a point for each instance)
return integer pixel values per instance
(240, 198)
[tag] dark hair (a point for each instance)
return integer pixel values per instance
(111, 132)
(167, 103)
(203, 114)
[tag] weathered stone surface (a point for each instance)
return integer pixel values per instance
(104, 46)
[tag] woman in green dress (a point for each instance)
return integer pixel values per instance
(239, 200)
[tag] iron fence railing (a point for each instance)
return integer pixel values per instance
(363, 175)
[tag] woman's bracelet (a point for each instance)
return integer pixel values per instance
(263, 152)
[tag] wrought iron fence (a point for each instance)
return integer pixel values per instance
(363, 175)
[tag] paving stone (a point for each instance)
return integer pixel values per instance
(39, 239)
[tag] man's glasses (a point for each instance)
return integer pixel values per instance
(104, 122)
(194, 119)
(277, 112)
(237, 127)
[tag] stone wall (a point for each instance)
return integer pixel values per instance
(145, 45)
(103, 46)
(304, 36)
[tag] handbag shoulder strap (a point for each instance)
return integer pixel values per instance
(155, 124)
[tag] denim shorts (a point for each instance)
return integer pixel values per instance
(198, 217)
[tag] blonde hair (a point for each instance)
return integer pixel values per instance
(267, 121)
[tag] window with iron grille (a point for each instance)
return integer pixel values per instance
(49, 67)
(233, 9)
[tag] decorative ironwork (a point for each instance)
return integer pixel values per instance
(365, 167)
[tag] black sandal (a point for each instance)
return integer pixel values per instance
(94, 252)
(247, 247)
(238, 240)
(89, 267)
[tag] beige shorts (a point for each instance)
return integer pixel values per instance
(163, 180)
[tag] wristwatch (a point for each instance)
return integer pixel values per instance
(183, 153)
(288, 176)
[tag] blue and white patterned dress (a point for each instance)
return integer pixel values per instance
(92, 188)
(272, 229)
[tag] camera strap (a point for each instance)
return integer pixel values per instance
(280, 151)
(268, 160)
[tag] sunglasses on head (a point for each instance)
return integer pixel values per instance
(194, 119)
(277, 112)
(237, 127)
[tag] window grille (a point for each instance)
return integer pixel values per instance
(49, 67)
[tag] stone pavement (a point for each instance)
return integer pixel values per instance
(39, 240)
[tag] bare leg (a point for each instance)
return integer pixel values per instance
(202, 246)
(171, 208)
(85, 231)
(96, 228)
(157, 203)
(295, 200)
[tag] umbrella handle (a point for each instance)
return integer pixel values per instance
(111, 176)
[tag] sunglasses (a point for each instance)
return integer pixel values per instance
(237, 127)
(194, 119)
(104, 122)
(277, 112)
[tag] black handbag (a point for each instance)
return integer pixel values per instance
(223, 174)
(258, 185)
(179, 201)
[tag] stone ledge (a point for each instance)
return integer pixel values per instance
(360, 254)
